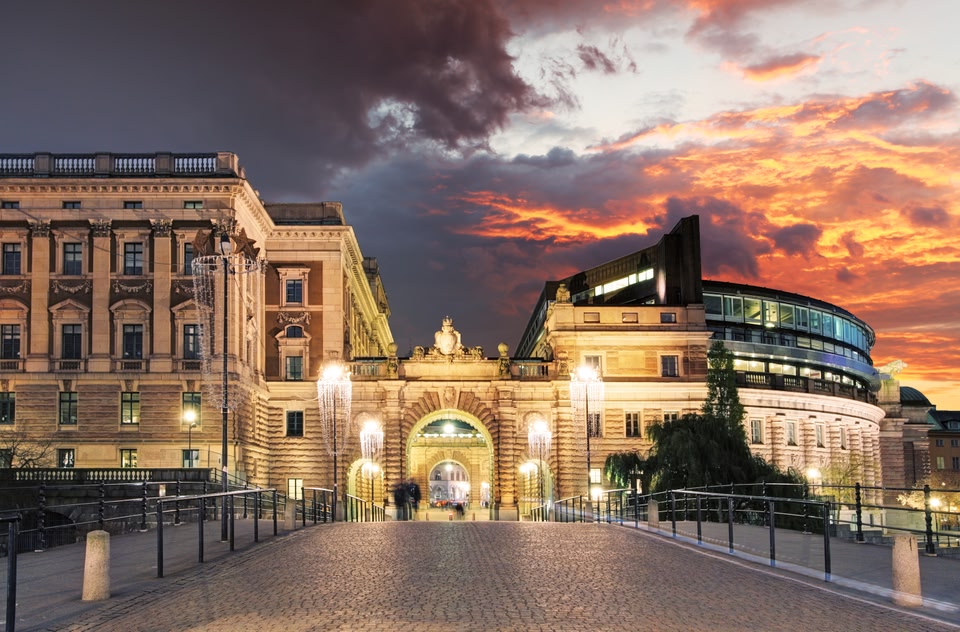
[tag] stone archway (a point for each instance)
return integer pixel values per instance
(454, 436)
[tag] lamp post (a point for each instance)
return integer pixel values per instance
(586, 385)
(334, 391)
(371, 444)
(538, 438)
(226, 249)
(190, 416)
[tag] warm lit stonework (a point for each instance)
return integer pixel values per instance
(101, 348)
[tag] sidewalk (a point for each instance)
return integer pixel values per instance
(50, 583)
(862, 567)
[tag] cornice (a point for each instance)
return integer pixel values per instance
(107, 187)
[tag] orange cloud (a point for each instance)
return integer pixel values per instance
(780, 66)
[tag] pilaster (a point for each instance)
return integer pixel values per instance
(161, 360)
(100, 321)
(38, 356)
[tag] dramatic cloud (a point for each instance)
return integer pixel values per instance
(779, 67)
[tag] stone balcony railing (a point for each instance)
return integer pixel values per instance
(219, 164)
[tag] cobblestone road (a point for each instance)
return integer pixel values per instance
(485, 576)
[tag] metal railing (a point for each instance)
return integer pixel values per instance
(199, 504)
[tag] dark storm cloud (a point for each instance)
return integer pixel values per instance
(726, 234)
(290, 87)
(855, 248)
(927, 216)
(799, 239)
(556, 157)
(845, 276)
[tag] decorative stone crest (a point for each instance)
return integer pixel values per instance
(162, 227)
(447, 340)
(40, 228)
(100, 227)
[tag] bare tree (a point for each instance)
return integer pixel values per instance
(23, 451)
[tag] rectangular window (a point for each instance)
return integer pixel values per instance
(955, 462)
(671, 415)
(130, 408)
(955, 443)
(71, 204)
(136, 204)
(756, 431)
(295, 488)
(128, 457)
(670, 366)
(632, 423)
(66, 457)
(939, 443)
(133, 258)
(294, 290)
(9, 342)
(71, 342)
(191, 457)
(294, 423)
(133, 342)
(713, 306)
(843, 438)
(791, 427)
(596, 475)
(733, 308)
(10, 204)
(751, 310)
(193, 204)
(940, 463)
(191, 342)
(188, 258)
(6, 458)
(593, 425)
(73, 259)
(190, 402)
(8, 408)
(827, 322)
(11, 258)
(295, 368)
(818, 430)
(668, 317)
(786, 316)
(68, 408)
(594, 362)
(802, 320)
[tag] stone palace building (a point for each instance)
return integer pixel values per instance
(109, 351)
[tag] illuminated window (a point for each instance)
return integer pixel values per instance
(128, 457)
(130, 408)
(295, 488)
(8, 408)
(66, 457)
(67, 414)
(818, 431)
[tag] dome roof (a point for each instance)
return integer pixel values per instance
(910, 396)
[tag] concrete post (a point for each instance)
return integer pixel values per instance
(290, 515)
(653, 514)
(96, 567)
(906, 571)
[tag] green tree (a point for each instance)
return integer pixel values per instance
(710, 448)
(623, 468)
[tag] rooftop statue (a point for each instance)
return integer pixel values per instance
(447, 340)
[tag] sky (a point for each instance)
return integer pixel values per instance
(482, 147)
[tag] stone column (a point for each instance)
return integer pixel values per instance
(101, 319)
(39, 350)
(161, 357)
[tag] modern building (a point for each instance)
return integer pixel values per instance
(111, 350)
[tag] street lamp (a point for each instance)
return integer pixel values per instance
(586, 385)
(226, 249)
(334, 391)
(371, 444)
(539, 438)
(190, 416)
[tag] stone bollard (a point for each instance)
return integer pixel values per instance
(290, 516)
(474, 515)
(653, 515)
(906, 572)
(96, 567)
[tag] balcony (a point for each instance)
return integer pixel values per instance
(777, 382)
(130, 366)
(74, 366)
(11, 365)
(531, 369)
(191, 365)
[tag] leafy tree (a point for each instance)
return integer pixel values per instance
(711, 448)
(723, 398)
(623, 468)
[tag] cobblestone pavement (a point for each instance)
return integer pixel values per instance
(485, 576)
